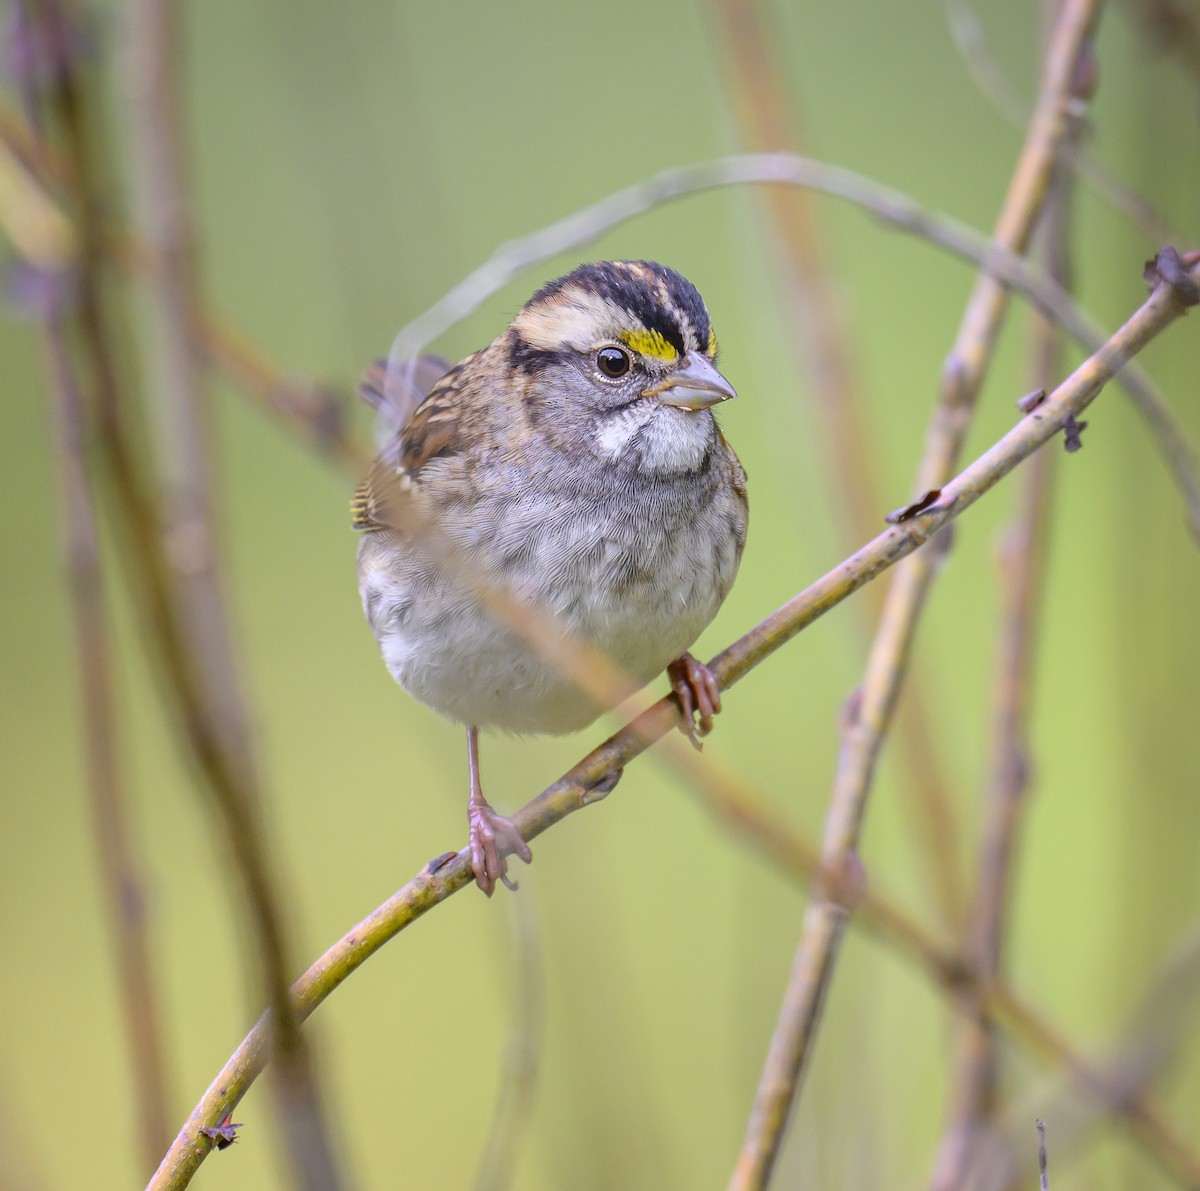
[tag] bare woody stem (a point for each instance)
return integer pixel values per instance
(314, 413)
(198, 619)
(825, 918)
(573, 791)
(1005, 269)
(121, 877)
(1023, 553)
(824, 348)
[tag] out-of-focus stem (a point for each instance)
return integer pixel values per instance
(824, 339)
(576, 788)
(522, 1056)
(825, 919)
(123, 884)
(1022, 565)
(199, 614)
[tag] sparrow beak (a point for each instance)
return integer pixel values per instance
(694, 385)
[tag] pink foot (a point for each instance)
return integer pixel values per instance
(492, 837)
(695, 686)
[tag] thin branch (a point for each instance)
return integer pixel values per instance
(967, 31)
(825, 919)
(315, 414)
(824, 344)
(31, 219)
(519, 1071)
(1007, 269)
(123, 886)
(200, 614)
(1022, 565)
(578, 787)
(1113, 1083)
(1043, 1165)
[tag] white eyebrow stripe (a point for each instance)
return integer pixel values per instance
(573, 318)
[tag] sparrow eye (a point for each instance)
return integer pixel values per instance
(613, 361)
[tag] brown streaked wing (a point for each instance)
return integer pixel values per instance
(412, 382)
(431, 432)
(433, 429)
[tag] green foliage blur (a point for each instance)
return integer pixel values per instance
(350, 163)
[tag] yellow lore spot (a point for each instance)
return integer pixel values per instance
(711, 349)
(649, 343)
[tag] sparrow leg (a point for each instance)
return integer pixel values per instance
(695, 685)
(492, 835)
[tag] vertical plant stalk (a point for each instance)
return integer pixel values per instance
(122, 882)
(522, 1058)
(825, 337)
(862, 739)
(1022, 567)
(193, 585)
(1151, 1043)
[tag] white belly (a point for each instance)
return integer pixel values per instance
(643, 600)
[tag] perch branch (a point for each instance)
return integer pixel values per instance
(315, 414)
(870, 717)
(575, 789)
(824, 349)
(1007, 269)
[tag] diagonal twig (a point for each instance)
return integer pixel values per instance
(1021, 568)
(200, 616)
(575, 789)
(867, 724)
(1006, 267)
(971, 42)
(122, 880)
(824, 346)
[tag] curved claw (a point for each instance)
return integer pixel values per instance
(493, 837)
(695, 686)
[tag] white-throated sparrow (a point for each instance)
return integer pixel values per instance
(576, 463)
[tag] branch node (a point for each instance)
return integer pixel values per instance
(224, 1134)
(921, 505)
(439, 862)
(843, 884)
(1170, 268)
(601, 788)
(1073, 434)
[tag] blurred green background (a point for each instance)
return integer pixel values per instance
(350, 163)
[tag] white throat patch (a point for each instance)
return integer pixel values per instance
(668, 440)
